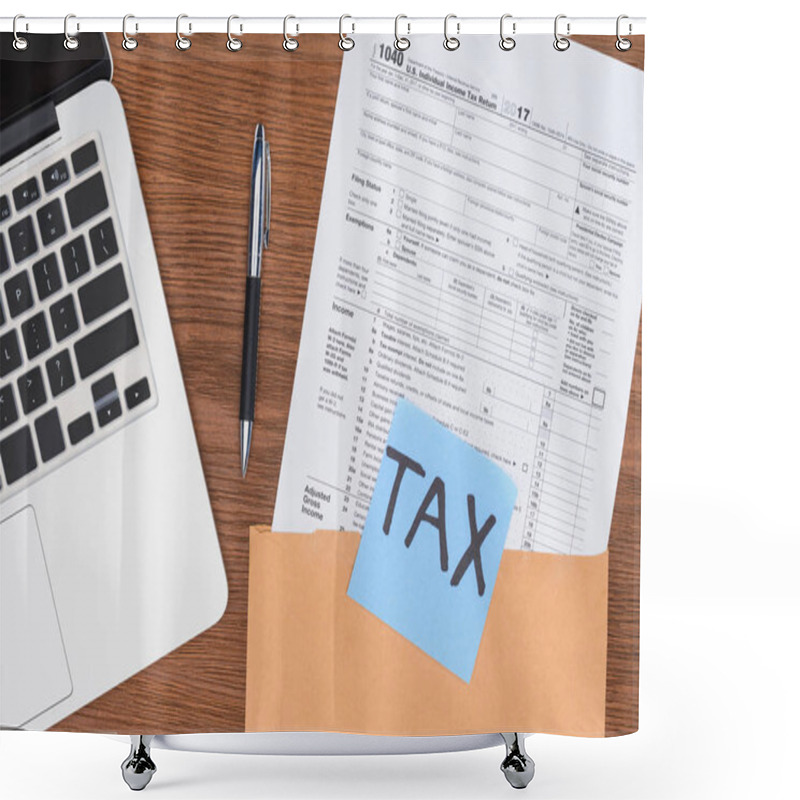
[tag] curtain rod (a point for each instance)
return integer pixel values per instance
(462, 26)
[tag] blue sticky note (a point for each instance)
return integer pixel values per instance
(446, 508)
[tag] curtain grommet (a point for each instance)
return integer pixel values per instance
(346, 43)
(20, 43)
(451, 43)
(561, 43)
(128, 42)
(71, 43)
(401, 42)
(507, 42)
(290, 43)
(181, 42)
(623, 44)
(233, 44)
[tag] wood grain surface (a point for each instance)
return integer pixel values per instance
(191, 117)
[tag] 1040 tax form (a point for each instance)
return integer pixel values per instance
(478, 252)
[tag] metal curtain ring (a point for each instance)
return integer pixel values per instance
(70, 42)
(128, 42)
(401, 42)
(181, 42)
(507, 42)
(289, 42)
(623, 44)
(233, 44)
(20, 42)
(561, 43)
(451, 42)
(345, 42)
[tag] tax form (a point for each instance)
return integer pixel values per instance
(478, 252)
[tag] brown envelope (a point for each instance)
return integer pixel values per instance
(319, 661)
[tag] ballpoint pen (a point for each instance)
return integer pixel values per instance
(260, 192)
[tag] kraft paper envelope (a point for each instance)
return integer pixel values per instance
(319, 661)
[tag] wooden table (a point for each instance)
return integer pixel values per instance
(191, 117)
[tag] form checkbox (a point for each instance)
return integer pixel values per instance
(599, 398)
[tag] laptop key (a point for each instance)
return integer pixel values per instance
(10, 355)
(23, 239)
(106, 400)
(48, 432)
(8, 407)
(5, 263)
(5, 208)
(46, 276)
(109, 412)
(55, 176)
(64, 317)
(59, 373)
(84, 157)
(104, 242)
(31, 390)
(106, 343)
(51, 222)
(137, 393)
(35, 335)
(18, 294)
(104, 389)
(80, 428)
(102, 294)
(75, 259)
(26, 193)
(86, 200)
(18, 455)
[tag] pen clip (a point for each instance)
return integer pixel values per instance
(259, 202)
(267, 195)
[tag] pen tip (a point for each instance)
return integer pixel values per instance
(245, 437)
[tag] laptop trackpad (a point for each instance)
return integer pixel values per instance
(33, 665)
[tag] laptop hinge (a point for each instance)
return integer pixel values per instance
(18, 136)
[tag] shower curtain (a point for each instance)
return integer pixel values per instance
(431, 525)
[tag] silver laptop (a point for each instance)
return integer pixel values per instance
(109, 557)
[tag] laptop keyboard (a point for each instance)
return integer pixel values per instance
(74, 367)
